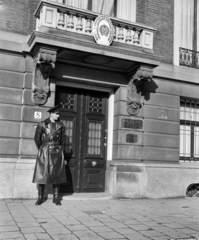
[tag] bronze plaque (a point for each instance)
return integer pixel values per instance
(131, 138)
(132, 123)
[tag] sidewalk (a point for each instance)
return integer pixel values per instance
(98, 217)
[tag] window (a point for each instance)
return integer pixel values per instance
(189, 130)
(124, 9)
(186, 36)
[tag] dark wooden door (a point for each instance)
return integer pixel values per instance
(83, 112)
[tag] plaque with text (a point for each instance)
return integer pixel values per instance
(132, 123)
(131, 138)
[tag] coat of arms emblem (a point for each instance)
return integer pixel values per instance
(103, 30)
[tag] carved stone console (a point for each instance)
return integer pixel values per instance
(43, 63)
(134, 88)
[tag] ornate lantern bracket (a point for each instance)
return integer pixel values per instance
(134, 88)
(43, 63)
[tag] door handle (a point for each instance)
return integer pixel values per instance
(94, 163)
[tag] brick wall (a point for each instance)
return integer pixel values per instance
(160, 15)
(16, 16)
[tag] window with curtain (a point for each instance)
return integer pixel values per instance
(124, 9)
(186, 35)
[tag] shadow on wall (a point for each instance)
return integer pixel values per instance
(148, 88)
(193, 190)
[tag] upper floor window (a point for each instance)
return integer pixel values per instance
(186, 36)
(124, 9)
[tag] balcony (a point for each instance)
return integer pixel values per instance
(65, 34)
(71, 19)
(188, 58)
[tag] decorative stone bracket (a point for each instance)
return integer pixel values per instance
(134, 88)
(44, 62)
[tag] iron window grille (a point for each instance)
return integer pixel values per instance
(189, 130)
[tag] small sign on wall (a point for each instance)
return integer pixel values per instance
(37, 115)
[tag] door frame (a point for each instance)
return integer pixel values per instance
(109, 149)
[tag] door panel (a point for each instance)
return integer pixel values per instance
(83, 114)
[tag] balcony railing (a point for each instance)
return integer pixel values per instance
(189, 58)
(71, 19)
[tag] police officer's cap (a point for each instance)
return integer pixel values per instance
(54, 109)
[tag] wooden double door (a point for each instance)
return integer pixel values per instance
(84, 115)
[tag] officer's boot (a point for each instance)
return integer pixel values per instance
(40, 194)
(56, 199)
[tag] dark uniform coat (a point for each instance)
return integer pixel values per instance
(50, 167)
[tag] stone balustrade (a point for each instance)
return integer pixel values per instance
(67, 18)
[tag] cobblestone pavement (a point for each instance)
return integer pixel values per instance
(97, 219)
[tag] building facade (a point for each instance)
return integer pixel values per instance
(125, 73)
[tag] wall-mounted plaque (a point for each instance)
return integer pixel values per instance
(132, 123)
(131, 138)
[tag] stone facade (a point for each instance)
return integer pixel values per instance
(145, 146)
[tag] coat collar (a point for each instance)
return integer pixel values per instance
(58, 124)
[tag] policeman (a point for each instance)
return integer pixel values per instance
(50, 167)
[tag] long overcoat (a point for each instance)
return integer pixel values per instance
(49, 139)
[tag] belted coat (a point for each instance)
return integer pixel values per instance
(50, 166)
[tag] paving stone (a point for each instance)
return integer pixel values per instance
(125, 231)
(115, 225)
(193, 226)
(24, 219)
(65, 237)
(163, 229)
(187, 231)
(136, 236)
(30, 236)
(20, 238)
(73, 228)
(85, 219)
(63, 218)
(195, 235)
(28, 224)
(151, 233)
(93, 224)
(7, 223)
(140, 227)
(46, 220)
(8, 229)
(152, 223)
(42, 236)
(69, 222)
(32, 230)
(129, 222)
(6, 217)
(91, 238)
(111, 235)
(175, 235)
(84, 233)
(56, 231)
(175, 225)
(9, 200)
(160, 238)
(100, 216)
(101, 229)
(11, 235)
(162, 220)
(121, 217)
(51, 225)
(108, 220)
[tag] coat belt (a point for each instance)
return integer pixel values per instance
(51, 143)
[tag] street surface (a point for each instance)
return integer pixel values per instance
(98, 217)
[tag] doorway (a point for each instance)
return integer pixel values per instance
(84, 115)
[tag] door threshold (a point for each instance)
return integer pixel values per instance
(86, 196)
